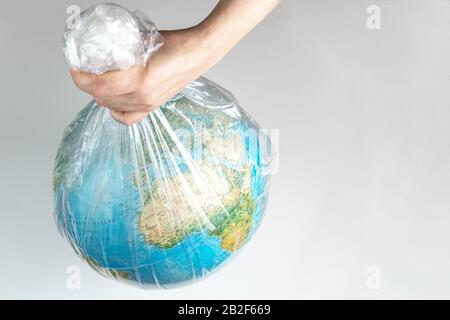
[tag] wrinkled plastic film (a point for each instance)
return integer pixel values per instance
(108, 37)
(167, 200)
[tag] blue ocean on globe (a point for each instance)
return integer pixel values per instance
(168, 200)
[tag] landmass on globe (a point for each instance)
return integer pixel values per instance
(153, 207)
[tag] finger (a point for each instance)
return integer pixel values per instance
(124, 103)
(116, 83)
(82, 80)
(128, 118)
(134, 102)
(132, 108)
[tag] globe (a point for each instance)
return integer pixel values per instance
(168, 200)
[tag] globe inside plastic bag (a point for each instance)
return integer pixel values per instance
(169, 199)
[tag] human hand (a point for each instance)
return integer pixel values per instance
(132, 94)
(186, 54)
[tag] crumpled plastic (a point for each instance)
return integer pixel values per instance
(170, 199)
(108, 37)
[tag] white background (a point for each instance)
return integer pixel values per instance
(360, 207)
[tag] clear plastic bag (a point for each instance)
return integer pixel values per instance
(169, 199)
(108, 37)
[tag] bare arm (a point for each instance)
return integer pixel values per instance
(186, 54)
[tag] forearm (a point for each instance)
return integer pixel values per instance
(229, 22)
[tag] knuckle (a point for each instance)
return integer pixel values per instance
(75, 77)
(99, 89)
(78, 84)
